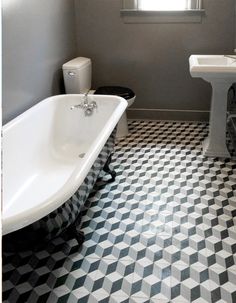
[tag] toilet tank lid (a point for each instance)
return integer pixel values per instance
(77, 63)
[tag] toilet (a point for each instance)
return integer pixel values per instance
(77, 75)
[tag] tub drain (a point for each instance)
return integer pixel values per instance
(81, 155)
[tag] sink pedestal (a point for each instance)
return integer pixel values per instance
(220, 71)
(215, 144)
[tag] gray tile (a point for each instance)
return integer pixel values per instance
(164, 231)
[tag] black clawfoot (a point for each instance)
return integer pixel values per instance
(77, 234)
(109, 171)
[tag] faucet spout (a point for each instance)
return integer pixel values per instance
(85, 99)
(76, 106)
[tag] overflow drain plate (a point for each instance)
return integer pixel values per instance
(81, 155)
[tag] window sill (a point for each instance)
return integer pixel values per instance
(186, 16)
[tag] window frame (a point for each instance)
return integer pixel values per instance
(131, 13)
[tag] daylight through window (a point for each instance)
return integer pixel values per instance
(162, 5)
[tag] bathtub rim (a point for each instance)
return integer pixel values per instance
(33, 214)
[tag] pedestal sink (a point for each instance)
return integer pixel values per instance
(220, 71)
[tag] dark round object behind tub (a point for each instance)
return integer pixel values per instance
(120, 91)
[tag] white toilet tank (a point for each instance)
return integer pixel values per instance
(77, 75)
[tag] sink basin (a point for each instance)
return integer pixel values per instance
(220, 71)
(213, 66)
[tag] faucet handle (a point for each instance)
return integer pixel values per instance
(93, 104)
(80, 105)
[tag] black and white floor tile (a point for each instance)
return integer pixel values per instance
(164, 231)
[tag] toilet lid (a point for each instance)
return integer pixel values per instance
(120, 91)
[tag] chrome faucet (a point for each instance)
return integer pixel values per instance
(87, 106)
(85, 99)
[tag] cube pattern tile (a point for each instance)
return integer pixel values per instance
(164, 231)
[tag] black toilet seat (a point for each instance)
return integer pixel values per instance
(120, 91)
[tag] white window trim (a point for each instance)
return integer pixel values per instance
(134, 15)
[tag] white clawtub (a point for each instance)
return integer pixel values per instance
(47, 153)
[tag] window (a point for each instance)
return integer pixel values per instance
(162, 11)
(162, 5)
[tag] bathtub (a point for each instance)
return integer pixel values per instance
(49, 151)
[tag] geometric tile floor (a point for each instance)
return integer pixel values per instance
(164, 231)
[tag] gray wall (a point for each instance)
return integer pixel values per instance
(235, 27)
(38, 36)
(153, 58)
